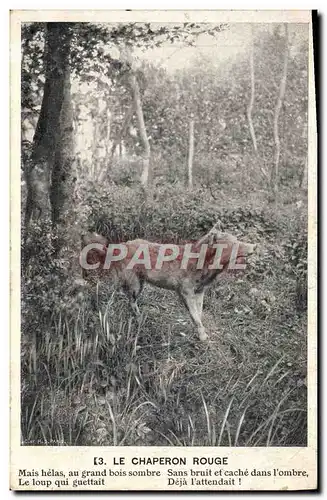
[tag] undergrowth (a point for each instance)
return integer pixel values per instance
(92, 374)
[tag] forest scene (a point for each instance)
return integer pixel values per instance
(158, 131)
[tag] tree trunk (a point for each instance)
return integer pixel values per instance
(250, 106)
(50, 174)
(282, 87)
(190, 154)
(126, 57)
(63, 179)
(142, 130)
(122, 135)
(107, 140)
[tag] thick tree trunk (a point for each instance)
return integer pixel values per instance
(251, 102)
(63, 171)
(282, 88)
(50, 177)
(190, 154)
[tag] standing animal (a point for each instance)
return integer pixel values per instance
(186, 269)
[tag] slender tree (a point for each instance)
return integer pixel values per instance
(127, 59)
(251, 102)
(122, 134)
(281, 94)
(190, 154)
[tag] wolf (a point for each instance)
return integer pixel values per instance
(186, 269)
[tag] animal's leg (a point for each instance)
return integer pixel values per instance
(190, 302)
(199, 302)
(133, 286)
(135, 307)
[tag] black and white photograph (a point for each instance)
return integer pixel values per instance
(164, 234)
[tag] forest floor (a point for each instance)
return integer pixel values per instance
(112, 379)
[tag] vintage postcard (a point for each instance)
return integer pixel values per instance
(163, 251)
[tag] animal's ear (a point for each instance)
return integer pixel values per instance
(218, 226)
(215, 233)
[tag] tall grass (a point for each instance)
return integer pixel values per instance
(93, 374)
(149, 381)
